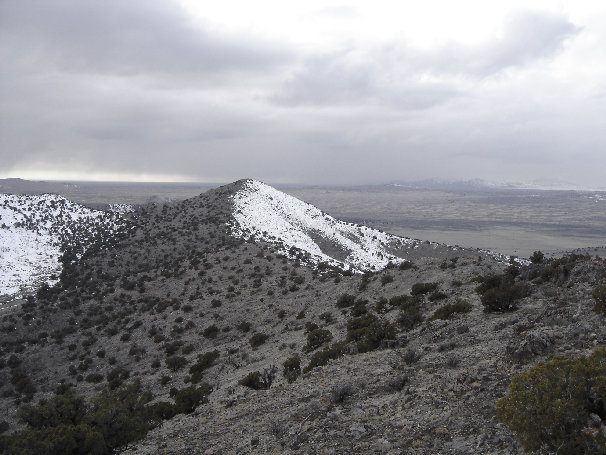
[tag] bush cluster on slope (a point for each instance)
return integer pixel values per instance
(66, 424)
(557, 406)
(500, 293)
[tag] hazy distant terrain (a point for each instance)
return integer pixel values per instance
(99, 194)
(507, 221)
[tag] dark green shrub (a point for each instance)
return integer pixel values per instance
(405, 265)
(345, 300)
(116, 377)
(161, 410)
(292, 368)
(258, 339)
(244, 326)
(310, 326)
(327, 317)
(599, 295)
(120, 417)
(175, 363)
(322, 357)
(381, 305)
(437, 295)
(256, 380)
(549, 407)
(444, 312)
(375, 334)
(251, 380)
(499, 293)
(423, 288)
(21, 382)
(210, 332)
(339, 393)
(205, 361)
(537, 257)
(411, 356)
(188, 399)
(172, 347)
(560, 268)
(66, 409)
(410, 315)
(94, 377)
(317, 338)
(59, 440)
(356, 328)
(359, 308)
(503, 298)
(386, 279)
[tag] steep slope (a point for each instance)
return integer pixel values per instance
(36, 230)
(270, 215)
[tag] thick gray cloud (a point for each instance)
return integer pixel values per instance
(334, 80)
(391, 74)
(137, 87)
(124, 37)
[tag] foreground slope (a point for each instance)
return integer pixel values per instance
(379, 374)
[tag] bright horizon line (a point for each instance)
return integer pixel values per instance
(406, 183)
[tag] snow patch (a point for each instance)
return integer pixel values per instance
(34, 232)
(273, 216)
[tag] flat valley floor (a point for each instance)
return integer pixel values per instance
(512, 222)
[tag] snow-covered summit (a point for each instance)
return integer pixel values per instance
(273, 216)
(34, 232)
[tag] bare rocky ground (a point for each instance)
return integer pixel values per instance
(181, 286)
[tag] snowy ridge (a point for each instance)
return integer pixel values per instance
(271, 215)
(36, 230)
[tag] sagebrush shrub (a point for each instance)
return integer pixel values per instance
(444, 312)
(257, 339)
(499, 293)
(549, 407)
(317, 338)
(292, 368)
(423, 288)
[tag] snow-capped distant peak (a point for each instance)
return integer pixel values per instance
(273, 216)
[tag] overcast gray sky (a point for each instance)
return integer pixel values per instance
(303, 92)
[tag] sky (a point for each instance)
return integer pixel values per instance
(314, 92)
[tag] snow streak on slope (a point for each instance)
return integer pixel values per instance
(273, 216)
(34, 232)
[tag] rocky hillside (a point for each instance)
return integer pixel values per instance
(206, 330)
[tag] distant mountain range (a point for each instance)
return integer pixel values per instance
(483, 185)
